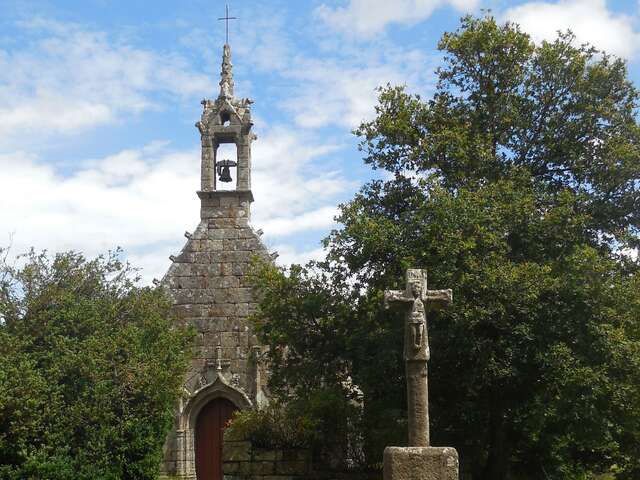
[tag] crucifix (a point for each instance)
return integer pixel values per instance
(218, 363)
(226, 18)
(415, 300)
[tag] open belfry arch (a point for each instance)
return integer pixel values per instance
(208, 282)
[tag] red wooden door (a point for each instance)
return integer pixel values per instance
(209, 429)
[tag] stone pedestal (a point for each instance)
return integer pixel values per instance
(420, 463)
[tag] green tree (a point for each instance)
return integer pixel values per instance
(90, 369)
(518, 185)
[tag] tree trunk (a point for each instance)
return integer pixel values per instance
(497, 466)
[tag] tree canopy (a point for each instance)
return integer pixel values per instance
(90, 369)
(517, 184)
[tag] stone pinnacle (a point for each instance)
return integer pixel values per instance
(226, 75)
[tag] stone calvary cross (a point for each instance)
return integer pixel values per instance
(416, 300)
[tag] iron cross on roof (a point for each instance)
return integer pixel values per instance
(226, 18)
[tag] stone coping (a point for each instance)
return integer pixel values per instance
(242, 194)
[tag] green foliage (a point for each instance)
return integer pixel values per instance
(565, 113)
(319, 421)
(90, 369)
(273, 427)
(309, 327)
(518, 185)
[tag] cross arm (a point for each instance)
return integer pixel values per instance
(395, 297)
(438, 299)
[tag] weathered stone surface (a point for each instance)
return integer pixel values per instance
(414, 300)
(296, 455)
(236, 451)
(264, 464)
(244, 469)
(262, 468)
(230, 468)
(291, 468)
(420, 463)
(210, 289)
(267, 455)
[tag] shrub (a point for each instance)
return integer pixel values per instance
(90, 370)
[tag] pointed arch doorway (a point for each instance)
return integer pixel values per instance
(210, 424)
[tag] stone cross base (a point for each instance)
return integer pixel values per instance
(420, 463)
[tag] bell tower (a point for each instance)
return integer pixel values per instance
(211, 289)
(226, 120)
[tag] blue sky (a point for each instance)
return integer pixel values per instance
(98, 101)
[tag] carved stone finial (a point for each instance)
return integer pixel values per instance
(226, 75)
(202, 381)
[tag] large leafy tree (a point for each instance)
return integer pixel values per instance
(518, 185)
(90, 369)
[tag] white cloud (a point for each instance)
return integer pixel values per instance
(318, 219)
(65, 78)
(144, 199)
(366, 18)
(348, 85)
(287, 185)
(89, 211)
(589, 20)
(55, 113)
(289, 255)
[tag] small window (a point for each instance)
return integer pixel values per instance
(225, 119)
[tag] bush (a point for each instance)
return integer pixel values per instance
(272, 427)
(90, 370)
(323, 422)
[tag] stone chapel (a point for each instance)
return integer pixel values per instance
(210, 290)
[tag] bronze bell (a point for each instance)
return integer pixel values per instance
(225, 175)
(224, 170)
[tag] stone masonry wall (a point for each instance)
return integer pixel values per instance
(211, 291)
(243, 462)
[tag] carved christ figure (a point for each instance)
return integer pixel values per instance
(416, 347)
(418, 334)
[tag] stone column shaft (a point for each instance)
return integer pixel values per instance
(244, 173)
(208, 160)
(418, 410)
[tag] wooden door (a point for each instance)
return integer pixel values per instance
(210, 425)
